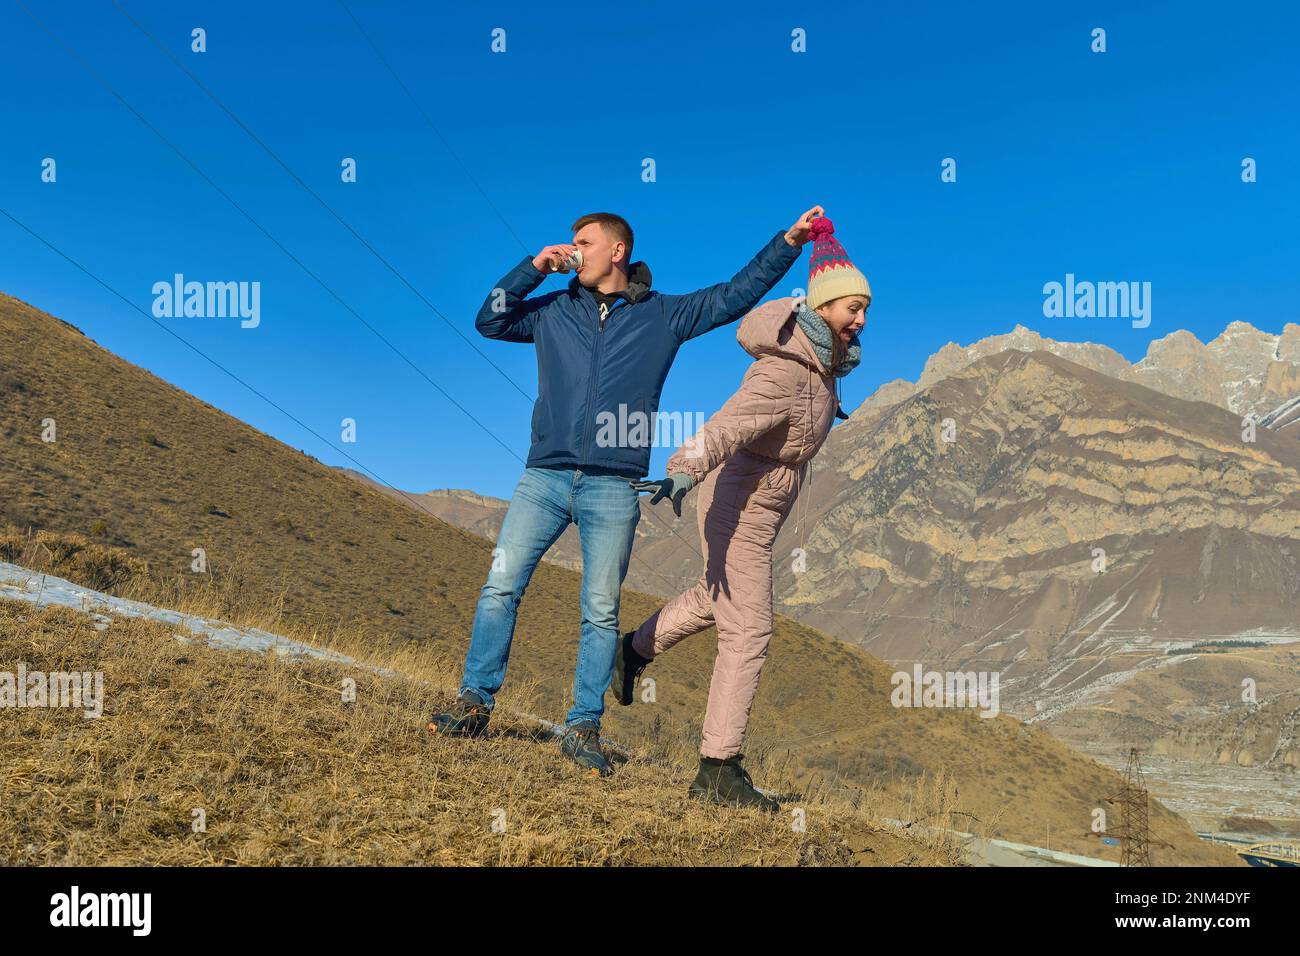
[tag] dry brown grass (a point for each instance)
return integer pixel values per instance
(286, 772)
(74, 557)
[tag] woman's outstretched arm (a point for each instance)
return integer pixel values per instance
(762, 402)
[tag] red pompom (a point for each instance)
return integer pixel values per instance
(821, 226)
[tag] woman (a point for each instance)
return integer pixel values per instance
(749, 461)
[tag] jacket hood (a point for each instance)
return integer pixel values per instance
(638, 282)
(772, 329)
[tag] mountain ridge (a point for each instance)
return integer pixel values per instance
(1266, 366)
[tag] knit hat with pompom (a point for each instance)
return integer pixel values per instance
(830, 273)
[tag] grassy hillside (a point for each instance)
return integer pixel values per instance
(285, 772)
(141, 466)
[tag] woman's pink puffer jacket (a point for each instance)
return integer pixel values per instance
(785, 405)
(762, 438)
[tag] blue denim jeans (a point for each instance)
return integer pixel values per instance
(604, 507)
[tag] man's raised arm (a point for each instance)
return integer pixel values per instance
(699, 312)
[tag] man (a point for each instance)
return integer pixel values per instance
(604, 341)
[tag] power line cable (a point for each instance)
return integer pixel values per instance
(314, 195)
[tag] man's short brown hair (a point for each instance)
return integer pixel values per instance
(614, 225)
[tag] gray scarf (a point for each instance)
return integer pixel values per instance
(815, 327)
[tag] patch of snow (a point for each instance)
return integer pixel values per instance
(1281, 412)
(45, 590)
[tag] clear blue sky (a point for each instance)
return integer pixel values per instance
(1116, 166)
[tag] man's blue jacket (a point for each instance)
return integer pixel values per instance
(586, 365)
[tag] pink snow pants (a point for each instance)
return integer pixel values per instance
(741, 507)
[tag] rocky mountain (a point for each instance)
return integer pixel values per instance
(1243, 370)
(1066, 508)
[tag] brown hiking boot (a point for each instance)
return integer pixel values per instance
(728, 783)
(581, 744)
(468, 717)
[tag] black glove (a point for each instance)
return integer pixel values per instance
(674, 488)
